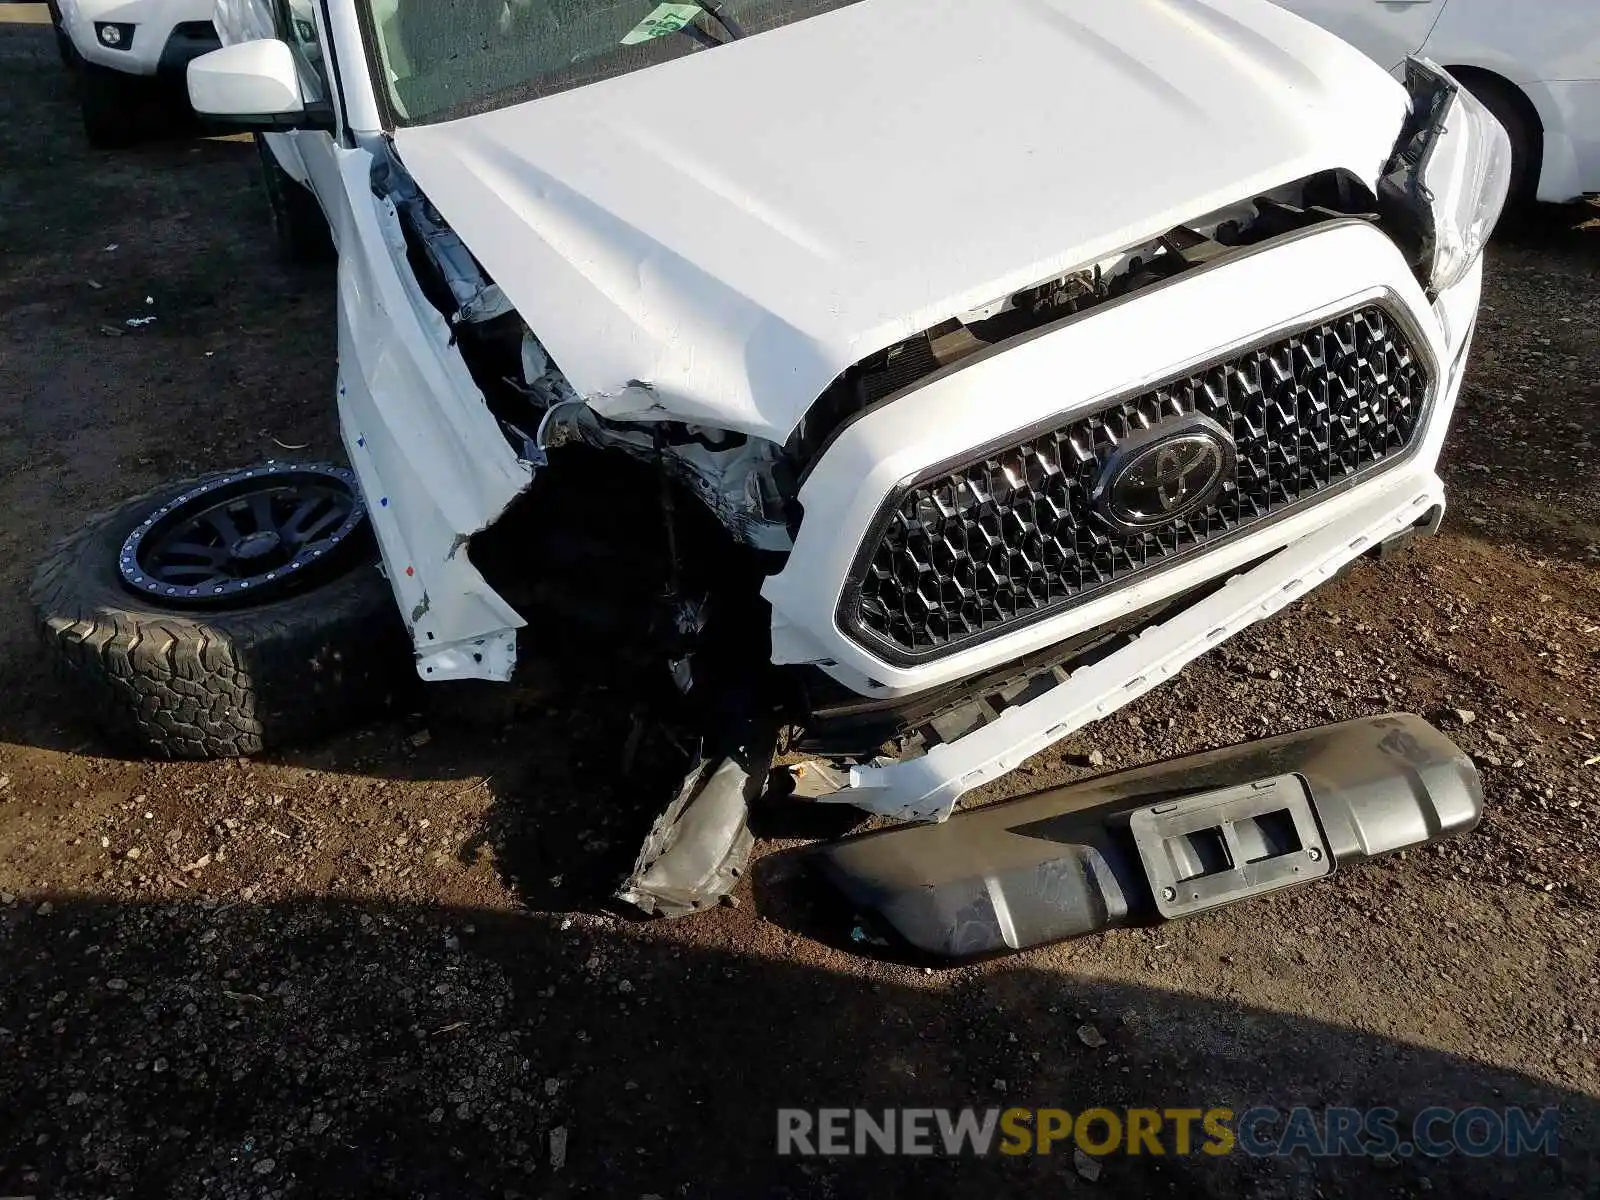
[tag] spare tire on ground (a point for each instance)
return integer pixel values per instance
(225, 614)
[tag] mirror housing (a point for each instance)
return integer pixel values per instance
(253, 86)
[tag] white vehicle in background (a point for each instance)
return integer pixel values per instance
(913, 382)
(130, 57)
(1535, 64)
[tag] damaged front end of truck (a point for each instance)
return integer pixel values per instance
(831, 551)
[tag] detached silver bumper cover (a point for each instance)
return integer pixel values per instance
(1161, 841)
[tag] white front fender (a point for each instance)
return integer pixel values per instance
(432, 462)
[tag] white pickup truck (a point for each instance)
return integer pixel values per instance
(911, 382)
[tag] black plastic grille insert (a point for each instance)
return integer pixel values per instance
(978, 547)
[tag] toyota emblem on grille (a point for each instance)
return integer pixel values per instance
(1164, 473)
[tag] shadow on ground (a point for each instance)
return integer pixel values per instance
(322, 1048)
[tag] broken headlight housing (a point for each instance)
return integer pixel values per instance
(1449, 176)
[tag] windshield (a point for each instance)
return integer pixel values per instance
(440, 59)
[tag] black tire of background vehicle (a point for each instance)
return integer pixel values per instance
(297, 220)
(1521, 121)
(64, 46)
(215, 683)
(115, 105)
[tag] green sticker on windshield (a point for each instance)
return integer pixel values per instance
(667, 18)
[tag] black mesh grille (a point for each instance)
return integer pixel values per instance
(1011, 536)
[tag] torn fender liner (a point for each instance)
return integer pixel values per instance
(1168, 839)
(697, 849)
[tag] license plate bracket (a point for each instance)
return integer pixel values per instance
(1204, 851)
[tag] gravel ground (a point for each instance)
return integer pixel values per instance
(375, 967)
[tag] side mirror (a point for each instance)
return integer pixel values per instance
(253, 86)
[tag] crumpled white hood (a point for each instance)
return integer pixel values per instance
(736, 227)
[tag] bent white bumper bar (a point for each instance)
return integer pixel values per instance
(927, 788)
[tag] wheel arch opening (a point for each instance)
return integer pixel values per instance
(1492, 87)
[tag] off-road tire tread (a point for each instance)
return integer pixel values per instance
(217, 683)
(64, 46)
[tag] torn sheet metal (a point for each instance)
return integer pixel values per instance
(699, 847)
(433, 465)
(730, 474)
(741, 273)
